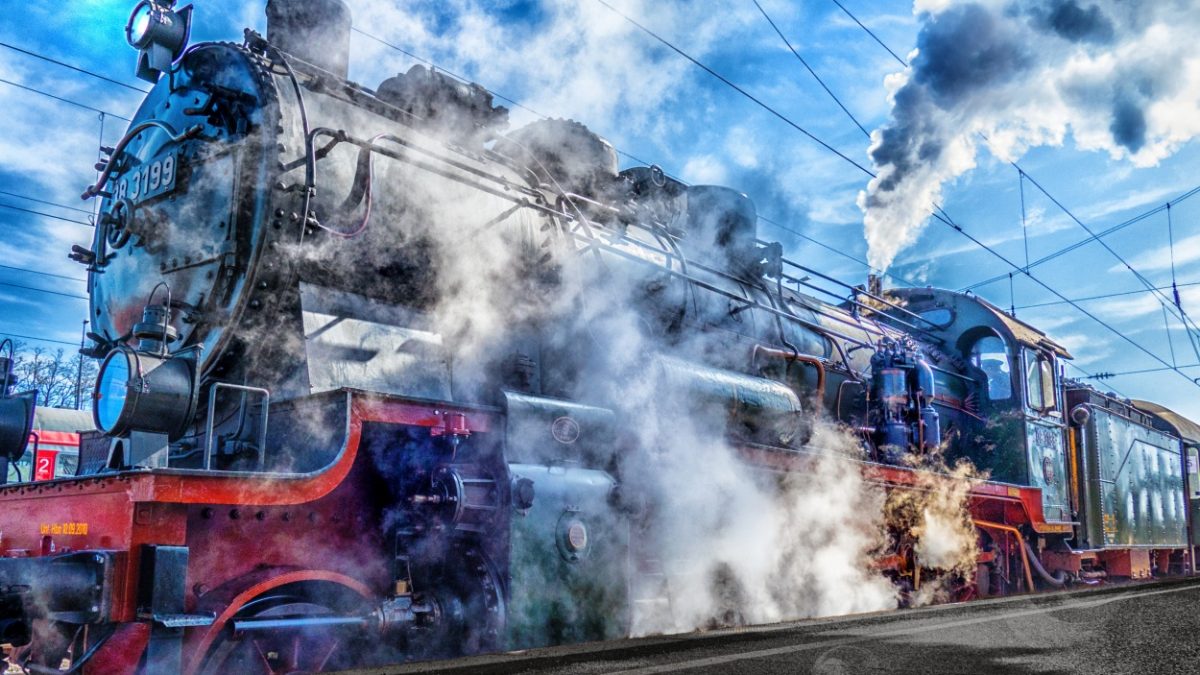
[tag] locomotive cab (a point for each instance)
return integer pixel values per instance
(1013, 415)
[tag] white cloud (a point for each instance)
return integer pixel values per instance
(704, 169)
(1187, 251)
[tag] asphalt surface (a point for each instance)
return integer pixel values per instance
(1145, 629)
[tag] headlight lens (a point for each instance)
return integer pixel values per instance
(112, 390)
(139, 25)
(137, 391)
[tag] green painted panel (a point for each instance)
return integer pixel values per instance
(1046, 453)
(558, 594)
(1133, 484)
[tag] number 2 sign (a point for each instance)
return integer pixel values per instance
(44, 464)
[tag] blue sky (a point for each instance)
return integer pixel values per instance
(579, 60)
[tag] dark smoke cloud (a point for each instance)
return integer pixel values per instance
(1117, 76)
(1129, 124)
(965, 49)
(1073, 22)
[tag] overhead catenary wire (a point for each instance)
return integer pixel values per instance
(44, 201)
(44, 290)
(1104, 296)
(40, 339)
(1092, 236)
(1022, 177)
(1024, 220)
(1180, 314)
(1170, 341)
(830, 148)
(1089, 376)
(44, 274)
(1099, 235)
(43, 214)
(853, 119)
(872, 34)
(365, 34)
(1140, 371)
(1171, 244)
(727, 82)
(61, 99)
(943, 217)
(811, 71)
(77, 69)
(939, 213)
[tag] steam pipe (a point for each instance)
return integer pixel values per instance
(784, 313)
(802, 358)
(987, 525)
(292, 624)
(1058, 580)
(861, 305)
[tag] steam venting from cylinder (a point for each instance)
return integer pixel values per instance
(314, 31)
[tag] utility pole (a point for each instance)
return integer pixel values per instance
(79, 371)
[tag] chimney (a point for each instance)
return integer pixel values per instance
(874, 285)
(313, 31)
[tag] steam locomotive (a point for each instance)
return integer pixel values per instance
(377, 376)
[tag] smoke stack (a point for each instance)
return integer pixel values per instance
(874, 285)
(314, 31)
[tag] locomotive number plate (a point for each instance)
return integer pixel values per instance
(150, 179)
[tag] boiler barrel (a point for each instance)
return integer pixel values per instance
(754, 408)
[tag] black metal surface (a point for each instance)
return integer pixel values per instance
(161, 592)
(72, 588)
(16, 422)
(161, 582)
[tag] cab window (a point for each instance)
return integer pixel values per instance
(991, 356)
(940, 317)
(1039, 380)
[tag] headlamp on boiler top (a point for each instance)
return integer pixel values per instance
(160, 33)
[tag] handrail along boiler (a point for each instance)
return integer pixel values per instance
(305, 463)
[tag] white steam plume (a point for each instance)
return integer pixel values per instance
(1122, 77)
(562, 58)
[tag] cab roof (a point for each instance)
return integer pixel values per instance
(968, 311)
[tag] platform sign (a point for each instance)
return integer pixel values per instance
(44, 464)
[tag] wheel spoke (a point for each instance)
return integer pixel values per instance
(329, 654)
(300, 650)
(262, 655)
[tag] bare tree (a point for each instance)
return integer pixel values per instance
(60, 379)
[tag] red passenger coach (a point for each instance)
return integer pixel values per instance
(53, 443)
